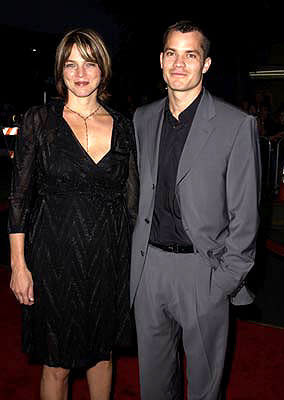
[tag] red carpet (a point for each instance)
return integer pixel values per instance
(3, 205)
(257, 369)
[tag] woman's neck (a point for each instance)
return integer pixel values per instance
(82, 105)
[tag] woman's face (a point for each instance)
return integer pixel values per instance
(82, 78)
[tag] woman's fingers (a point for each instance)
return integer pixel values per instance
(22, 287)
(31, 294)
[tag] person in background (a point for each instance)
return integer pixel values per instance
(266, 125)
(72, 210)
(279, 125)
(195, 236)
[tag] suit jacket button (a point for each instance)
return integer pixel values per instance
(142, 253)
(153, 186)
(147, 221)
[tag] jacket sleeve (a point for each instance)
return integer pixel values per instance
(22, 175)
(243, 187)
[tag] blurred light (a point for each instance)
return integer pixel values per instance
(267, 74)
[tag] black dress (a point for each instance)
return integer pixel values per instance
(77, 216)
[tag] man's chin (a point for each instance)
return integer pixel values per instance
(178, 88)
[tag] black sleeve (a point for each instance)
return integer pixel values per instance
(133, 180)
(23, 174)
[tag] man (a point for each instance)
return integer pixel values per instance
(194, 241)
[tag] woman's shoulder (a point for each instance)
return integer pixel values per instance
(124, 129)
(37, 113)
(34, 117)
(119, 117)
(41, 117)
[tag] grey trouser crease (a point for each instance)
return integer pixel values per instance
(176, 300)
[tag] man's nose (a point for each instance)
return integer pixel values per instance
(179, 61)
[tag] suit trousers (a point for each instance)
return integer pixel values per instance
(177, 303)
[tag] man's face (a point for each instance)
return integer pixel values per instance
(182, 62)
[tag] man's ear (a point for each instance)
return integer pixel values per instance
(206, 65)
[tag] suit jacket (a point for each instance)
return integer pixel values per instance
(217, 186)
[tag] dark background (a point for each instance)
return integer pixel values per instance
(244, 34)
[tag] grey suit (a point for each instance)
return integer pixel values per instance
(218, 188)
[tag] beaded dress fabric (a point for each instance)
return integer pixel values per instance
(77, 216)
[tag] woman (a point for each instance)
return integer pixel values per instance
(73, 204)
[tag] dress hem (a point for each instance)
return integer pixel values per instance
(69, 365)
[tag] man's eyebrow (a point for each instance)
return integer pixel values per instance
(186, 51)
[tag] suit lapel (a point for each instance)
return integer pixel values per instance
(154, 131)
(200, 132)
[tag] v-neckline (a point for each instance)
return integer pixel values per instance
(87, 155)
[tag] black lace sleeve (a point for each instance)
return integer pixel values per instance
(133, 179)
(23, 175)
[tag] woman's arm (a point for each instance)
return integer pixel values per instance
(20, 200)
(21, 279)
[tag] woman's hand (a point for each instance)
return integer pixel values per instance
(21, 278)
(22, 284)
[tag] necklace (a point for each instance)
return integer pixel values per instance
(85, 122)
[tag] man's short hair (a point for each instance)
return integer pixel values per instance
(188, 26)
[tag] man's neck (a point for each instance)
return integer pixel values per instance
(179, 101)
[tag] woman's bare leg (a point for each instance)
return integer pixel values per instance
(99, 380)
(54, 383)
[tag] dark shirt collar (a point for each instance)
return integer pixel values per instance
(186, 115)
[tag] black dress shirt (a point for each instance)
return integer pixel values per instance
(167, 226)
